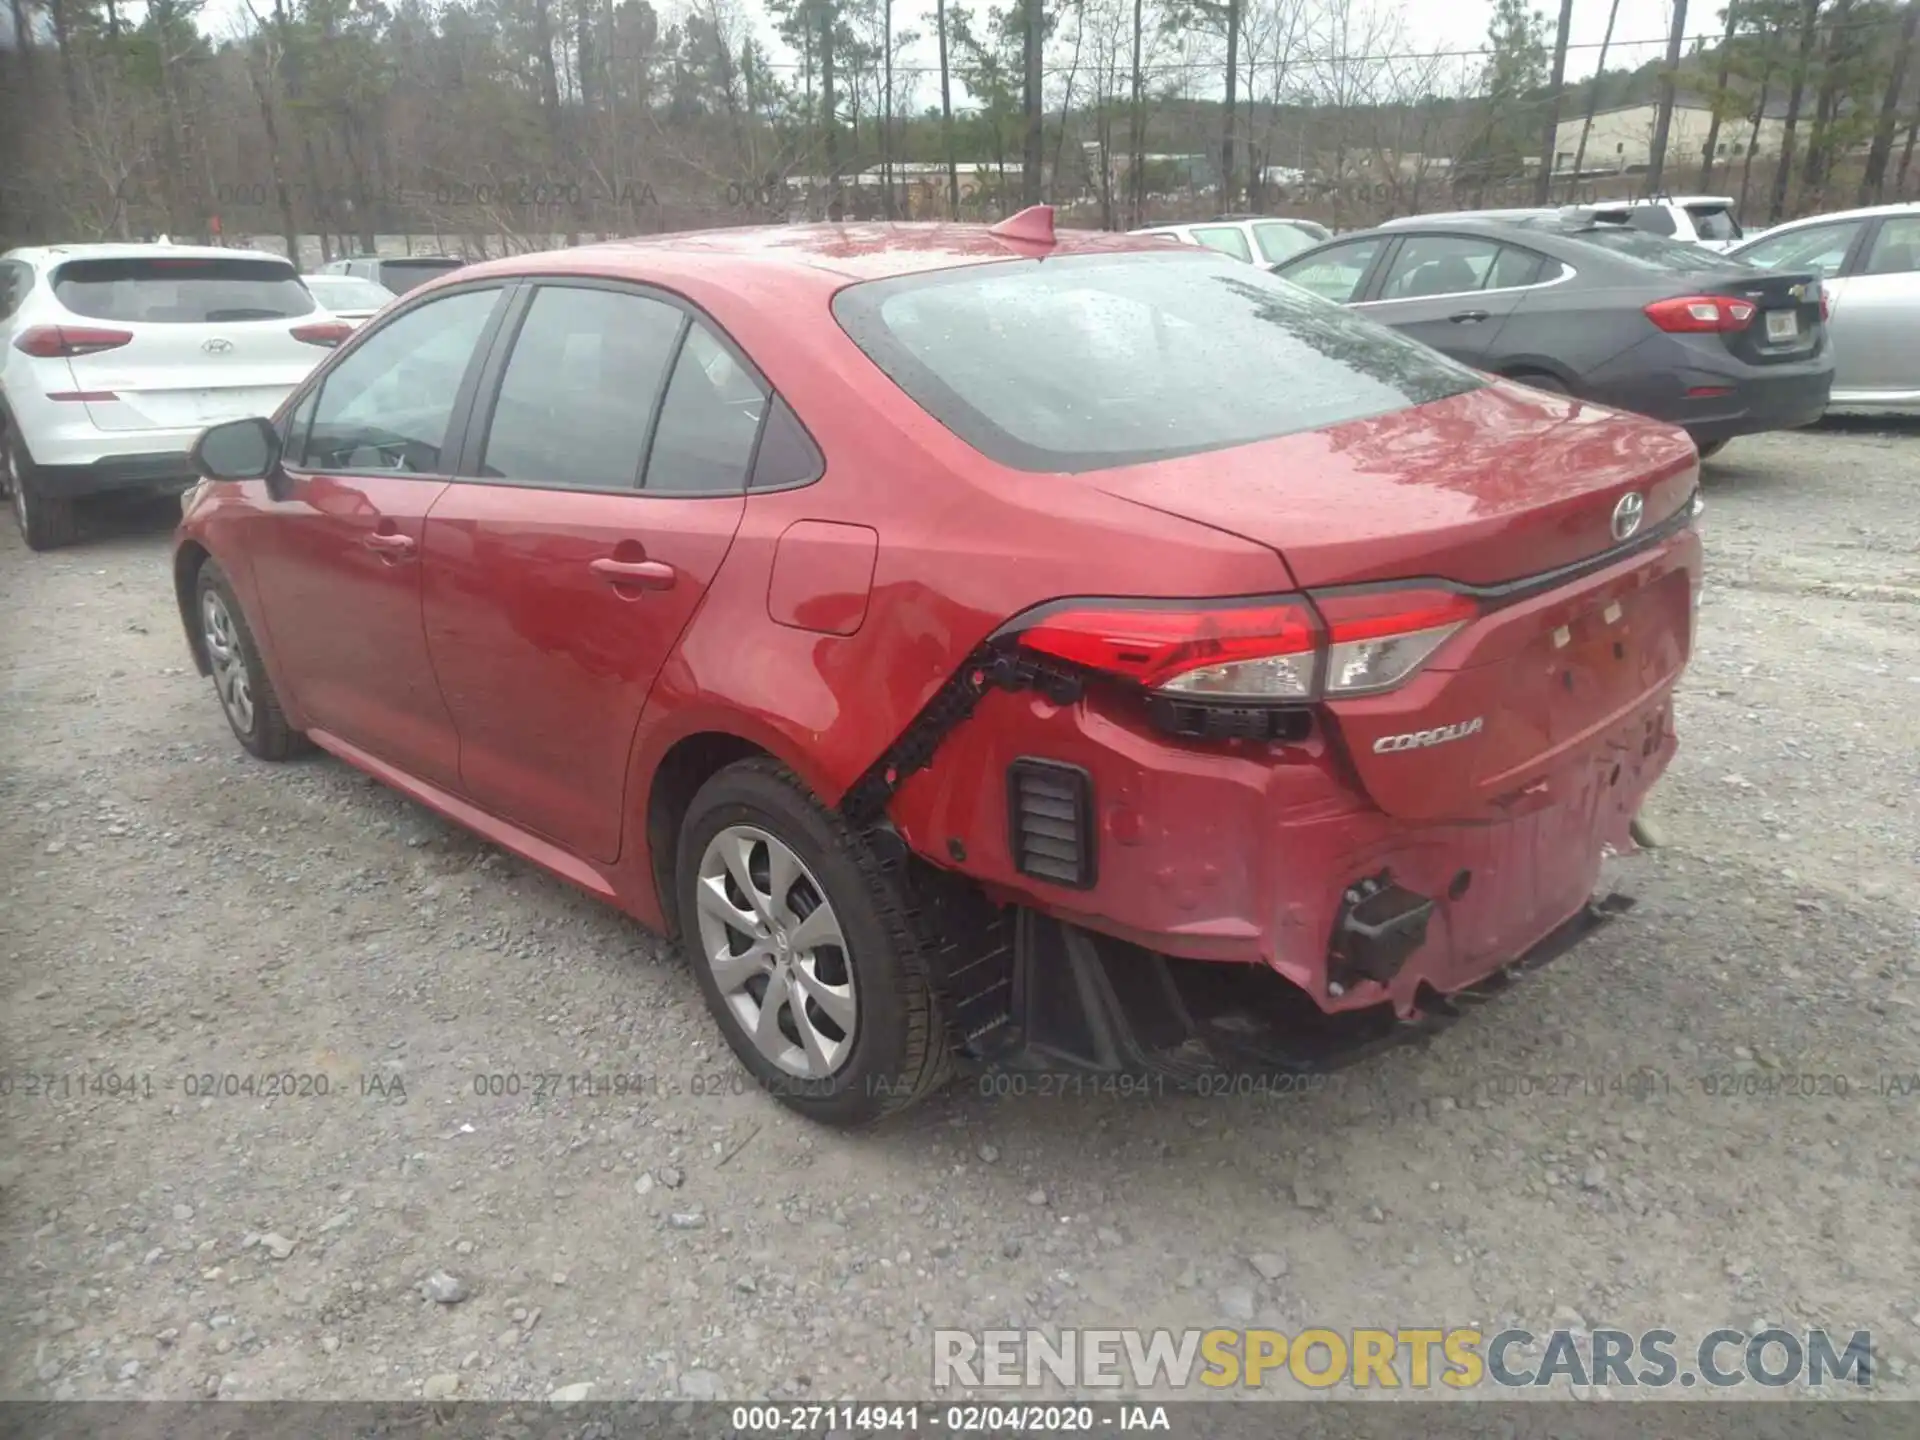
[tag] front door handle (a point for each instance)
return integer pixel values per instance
(1468, 317)
(390, 545)
(642, 574)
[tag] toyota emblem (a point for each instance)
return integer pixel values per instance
(217, 346)
(1626, 515)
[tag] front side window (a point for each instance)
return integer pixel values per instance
(1896, 249)
(1429, 265)
(579, 389)
(1335, 273)
(704, 442)
(386, 406)
(1822, 248)
(1084, 362)
(1227, 239)
(181, 290)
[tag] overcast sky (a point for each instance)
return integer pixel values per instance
(1431, 25)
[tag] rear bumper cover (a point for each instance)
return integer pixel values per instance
(168, 472)
(1081, 1004)
(1653, 379)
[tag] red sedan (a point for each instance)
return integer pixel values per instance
(1066, 652)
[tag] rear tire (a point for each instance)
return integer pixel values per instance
(45, 522)
(828, 927)
(247, 697)
(1540, 380)
(1709, 448)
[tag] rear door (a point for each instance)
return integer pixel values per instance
(210, 338)
(337, 556)
(605, 478)
(1435, 288)
(1876, 312)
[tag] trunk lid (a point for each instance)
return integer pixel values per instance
(212, 337)
(1499, 485)
(1486, 487)
(1786, 325)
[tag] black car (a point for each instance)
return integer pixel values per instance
(1597, 311)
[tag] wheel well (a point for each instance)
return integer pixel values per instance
(186, 578)
(1520, 372)
(689, 764)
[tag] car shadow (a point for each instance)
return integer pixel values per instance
(104, 518)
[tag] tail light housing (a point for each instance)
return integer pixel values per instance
(1271, 650)
(65, 342)
(1701, 314)
(325, 332)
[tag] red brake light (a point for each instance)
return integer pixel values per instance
(1277, 649)
(1700, 314)
(63, 342)
(326, 332)
(1826, 305)
(1153, 646)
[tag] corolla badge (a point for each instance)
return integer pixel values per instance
(1421, 739)
(1627, 513)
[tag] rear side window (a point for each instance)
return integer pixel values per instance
(1227, 239)
(1713, 222)
(1084, 362)
(1439, 265)
(579, 389)
(704, 442)
(1517, 267)
(182, 290)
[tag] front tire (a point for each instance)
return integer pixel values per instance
(247, 696)
(46, 522)
(807, 949)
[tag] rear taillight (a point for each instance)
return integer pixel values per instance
(1826, 306)
(64, 342)
(1376, 639)
(1271, 650)
(326, 332)
(1700, 314)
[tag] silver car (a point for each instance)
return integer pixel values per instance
(1870, 262)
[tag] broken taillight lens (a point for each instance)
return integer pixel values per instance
(1271, 650)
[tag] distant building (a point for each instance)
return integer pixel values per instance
(1622, 138)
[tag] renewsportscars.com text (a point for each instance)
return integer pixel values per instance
(1459, 1358)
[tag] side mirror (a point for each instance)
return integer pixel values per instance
(238, 450)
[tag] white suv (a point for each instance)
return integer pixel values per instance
(113, 359)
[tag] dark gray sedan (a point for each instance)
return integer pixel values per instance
(1601, 312)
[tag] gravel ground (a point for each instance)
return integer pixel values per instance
(174, 910)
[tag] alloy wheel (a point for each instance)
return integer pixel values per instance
(230, 675)
(777, 953)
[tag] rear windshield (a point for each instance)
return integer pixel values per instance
(1714, 222)
(1087, 362)
(402, 275)
(181, 290)
(1656, 252)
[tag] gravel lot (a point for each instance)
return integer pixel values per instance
(174, 910)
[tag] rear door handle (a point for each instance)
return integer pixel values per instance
(642, 574)
(1468, 317)
(396, 546)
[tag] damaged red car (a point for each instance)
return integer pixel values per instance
(976, 646)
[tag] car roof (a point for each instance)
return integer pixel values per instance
(125, 250)
(1865, 212)
(828, 255)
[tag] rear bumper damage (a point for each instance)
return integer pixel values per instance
(1078, 1003)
